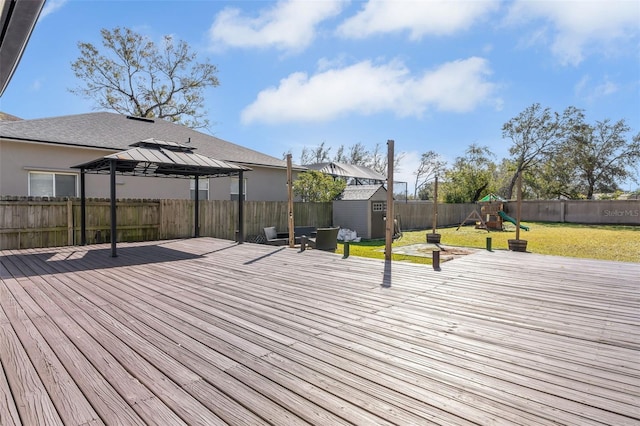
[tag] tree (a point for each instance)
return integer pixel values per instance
(319, 154)
(139, 78)
(431, 165)
(602, 155)
(378, 160)
(340, 156)
(315, 186)
(470, 177)
(536, 134)
(555, 178)
(358, 154)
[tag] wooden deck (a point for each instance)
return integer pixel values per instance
(206, 332)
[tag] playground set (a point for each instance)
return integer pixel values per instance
(492, 215)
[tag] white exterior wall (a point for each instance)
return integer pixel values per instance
(263, 184)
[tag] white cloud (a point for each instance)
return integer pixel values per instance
(288, 25)
(592, 92)
(420, 18)
(578, 27)
(36, 85)
(366, 88)
(51, 6)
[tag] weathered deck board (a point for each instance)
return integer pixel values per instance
(204, 331)
(32, 401)
(64, 392)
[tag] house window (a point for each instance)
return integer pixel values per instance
(203, 189)
(379, 206)
(47, 184)
(234, 189)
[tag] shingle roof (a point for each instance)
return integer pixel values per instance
(117, 132)
(360, 192)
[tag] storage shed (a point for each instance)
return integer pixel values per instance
(362, 208)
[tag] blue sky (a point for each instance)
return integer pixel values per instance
(431, 75)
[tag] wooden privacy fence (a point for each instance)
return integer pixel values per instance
(29, 222)
(419, 214)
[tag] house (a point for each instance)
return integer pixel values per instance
(362, 208)
(36, 157)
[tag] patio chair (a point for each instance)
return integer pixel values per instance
(271, 235)
(325, 239)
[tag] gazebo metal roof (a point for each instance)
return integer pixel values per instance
(348, 171)
(153, 157)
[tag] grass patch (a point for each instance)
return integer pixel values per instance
(375, 249)
(605, 242)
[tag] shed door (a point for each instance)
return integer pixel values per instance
(378, 213)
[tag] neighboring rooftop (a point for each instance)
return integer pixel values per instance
(344, 170)
(117, 132)
(8, 117)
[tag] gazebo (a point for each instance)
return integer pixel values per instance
(360, 175)
(153, 157)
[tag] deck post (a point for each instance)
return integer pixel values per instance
(83, 209)
(240, 236)
(114, 232)
(196, 213)
(292, 240)
(390, 218)
(435, 258)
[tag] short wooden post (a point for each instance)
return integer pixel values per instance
(435, 258)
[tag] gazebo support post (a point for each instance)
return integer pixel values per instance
(83, 209)
(128, 163)
(196, 213)
(241, 207)
(114, 232)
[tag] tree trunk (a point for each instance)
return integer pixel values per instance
(478, 192)
(514, 179)
(512, 184)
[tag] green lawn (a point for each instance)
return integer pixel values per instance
(606, 242)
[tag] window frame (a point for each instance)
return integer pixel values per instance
(234, 180)
(202, 182)
(53, 175)
(378, 206)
